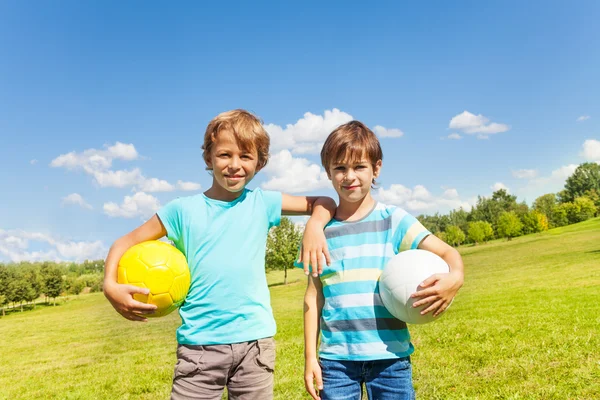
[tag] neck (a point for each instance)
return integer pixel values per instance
(216, 192)
(352, 211)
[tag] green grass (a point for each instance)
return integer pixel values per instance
(526, 325)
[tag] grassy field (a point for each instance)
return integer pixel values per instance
(526, 325)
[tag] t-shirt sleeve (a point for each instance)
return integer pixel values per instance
(408, 231)
(272, 202)
(171, 216)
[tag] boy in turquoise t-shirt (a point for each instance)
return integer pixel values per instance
(226, 335)
(361, 343)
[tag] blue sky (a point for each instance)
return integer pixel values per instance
(103, 104)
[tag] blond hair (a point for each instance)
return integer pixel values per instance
(247, 130)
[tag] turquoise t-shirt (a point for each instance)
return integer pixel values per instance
(224, 243)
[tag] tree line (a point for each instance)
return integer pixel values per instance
(498, 216)
(21, 284)
(501, 216)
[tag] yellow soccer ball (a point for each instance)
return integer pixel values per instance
(159, 267)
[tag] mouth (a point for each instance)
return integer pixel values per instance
(234, 177)
(351, 187)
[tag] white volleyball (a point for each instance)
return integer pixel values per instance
(401, 278)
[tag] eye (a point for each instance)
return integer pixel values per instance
(361, 167)
(339, 168)
(247, 156)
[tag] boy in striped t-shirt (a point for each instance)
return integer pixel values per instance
(361, 343)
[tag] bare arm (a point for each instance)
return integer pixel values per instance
(121, 296)
(313, 306)
(439, 289)
(314, 246)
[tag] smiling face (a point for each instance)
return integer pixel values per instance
(352, 179)
(232, 167)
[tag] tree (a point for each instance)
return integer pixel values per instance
(581, 209)
(454, 235)
(545, 204)
(509, 225)
(459, 217)
(283, 246)
(480, 231)
(489, 209)
(434, 223)
(53, 283)
(534, 221)
(585, 178)
(559, 215)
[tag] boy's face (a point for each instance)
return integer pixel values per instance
(233, 168)
(352, 179)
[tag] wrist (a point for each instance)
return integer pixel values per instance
(458, 276)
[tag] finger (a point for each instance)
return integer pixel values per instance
(133, 317)
(423, 293)
(319, 379)
(327, 255)
(430, 281)
(425, 301)
(136, 289)
(136, 306)
(314, 263)
(310, 387)
(321, 262)
(441, 309)
(432, 307)
(305, 261)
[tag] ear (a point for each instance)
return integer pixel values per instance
(208, 162)
(377, 169)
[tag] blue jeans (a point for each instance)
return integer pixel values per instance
(384, 379)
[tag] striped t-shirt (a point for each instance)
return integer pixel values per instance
(355, 325)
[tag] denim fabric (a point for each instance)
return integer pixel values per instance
(384, 379)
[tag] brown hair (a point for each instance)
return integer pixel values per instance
(247, 129)
(351, 141)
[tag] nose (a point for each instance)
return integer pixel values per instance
(234, 163)
(350, 175)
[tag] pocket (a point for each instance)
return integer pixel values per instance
(189, 359)
(266, 354)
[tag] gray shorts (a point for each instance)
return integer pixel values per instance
(246, 369)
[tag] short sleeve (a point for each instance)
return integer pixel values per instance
(408, 231)
(170, 215)
(272, 201)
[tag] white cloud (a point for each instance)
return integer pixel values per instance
(155, 185)
(454, 136)
(76, 198)
(419, 200)
(546, 184)
(311, 131)
(525, 173)
(308, 134)
(476, 124)
(120, 178)
(188, 186)
(15, 245)
(139, 205)
(293, 175)
(591, 150)
(564, 172)
(93, 159)
(384, 132)
(583, 118)
(97, 163)
(33, 162)
(499, 185)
